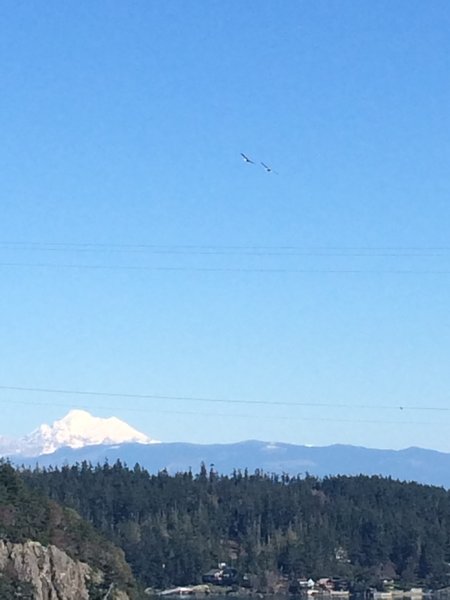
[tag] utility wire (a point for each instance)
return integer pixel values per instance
(282, 270)
(71, 392)
(218, 247)
(233, 251)
(215, 414)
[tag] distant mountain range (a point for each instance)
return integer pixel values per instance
(79, 436)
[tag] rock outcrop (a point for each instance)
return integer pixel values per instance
(51, 572)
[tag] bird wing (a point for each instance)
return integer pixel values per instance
(269, 169)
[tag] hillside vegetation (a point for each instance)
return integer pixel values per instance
(27, 514)
(174, 528)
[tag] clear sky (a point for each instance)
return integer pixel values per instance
(325, 285)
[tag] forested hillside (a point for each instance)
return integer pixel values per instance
(174, 528)
(28, 515)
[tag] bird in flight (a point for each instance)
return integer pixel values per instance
(268, 169)
(246, 159)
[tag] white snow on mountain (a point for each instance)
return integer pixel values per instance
(77, 429)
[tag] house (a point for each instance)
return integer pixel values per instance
(222, 575)
(212, 576)
(304, 583)
(325, 583)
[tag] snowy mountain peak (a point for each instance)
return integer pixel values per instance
(76, 414)
(78, 429)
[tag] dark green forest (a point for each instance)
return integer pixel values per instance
(174, 528)
(28, 514)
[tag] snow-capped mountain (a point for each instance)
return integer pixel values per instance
(76, 430)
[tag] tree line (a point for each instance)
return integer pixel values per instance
(173, 528)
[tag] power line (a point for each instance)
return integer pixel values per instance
(219, 247)
(215, 414)
(257, 251)
(147, 268)
(65, 391)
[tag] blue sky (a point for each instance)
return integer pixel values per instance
(325, 285)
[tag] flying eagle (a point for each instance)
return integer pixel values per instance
(268, 169)
(246, 159)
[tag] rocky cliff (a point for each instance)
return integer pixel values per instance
(51, 572)
(67, 559)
